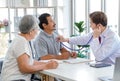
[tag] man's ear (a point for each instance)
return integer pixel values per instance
(44, 25)
(30, 32)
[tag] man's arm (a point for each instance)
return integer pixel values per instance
(47, 57)
(64, 55)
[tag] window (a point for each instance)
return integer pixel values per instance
(4, 30)
(112, 14)
(95, 5)
(12, 13)
(79, 10)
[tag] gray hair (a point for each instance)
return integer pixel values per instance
(27, 23)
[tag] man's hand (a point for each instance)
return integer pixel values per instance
(46, 57)
(73, 54)
(65, 55)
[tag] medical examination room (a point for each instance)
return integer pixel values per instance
(59, 40)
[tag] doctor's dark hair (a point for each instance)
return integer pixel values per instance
(99, 17)
(43, 20)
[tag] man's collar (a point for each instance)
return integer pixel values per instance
(48, 35)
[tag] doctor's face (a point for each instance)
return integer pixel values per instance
(92, 25)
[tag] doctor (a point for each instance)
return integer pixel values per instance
(105, 44)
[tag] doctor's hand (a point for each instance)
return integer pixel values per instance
(62, 39)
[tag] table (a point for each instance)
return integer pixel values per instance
(77, 72)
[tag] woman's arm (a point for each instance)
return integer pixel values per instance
(25, 67)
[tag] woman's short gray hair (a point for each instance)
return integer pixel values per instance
(27, 23)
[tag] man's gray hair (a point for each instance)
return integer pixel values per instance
(27, 23)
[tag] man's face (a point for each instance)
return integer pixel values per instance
(51, 24)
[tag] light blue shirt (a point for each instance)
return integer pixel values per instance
(46, 44)
(106, 51)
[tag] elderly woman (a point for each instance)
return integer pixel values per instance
(19, 64)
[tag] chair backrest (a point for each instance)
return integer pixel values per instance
(1, 63)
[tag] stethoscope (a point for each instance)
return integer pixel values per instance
(77, 49)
